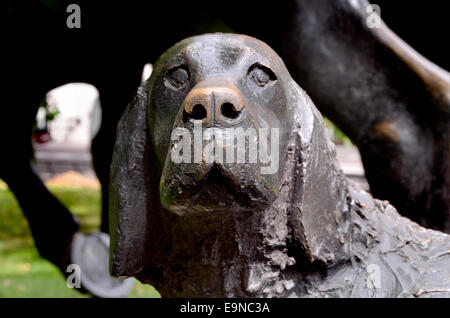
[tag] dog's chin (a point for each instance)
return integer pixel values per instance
(215, 188)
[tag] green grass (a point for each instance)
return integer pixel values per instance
(23, 273)
(336, 134)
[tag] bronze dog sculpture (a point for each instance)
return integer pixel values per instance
(389, 100)
(215, 228)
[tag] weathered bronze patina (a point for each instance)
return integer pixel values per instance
(214, 229)
(393, 103)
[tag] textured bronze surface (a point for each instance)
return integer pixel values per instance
(218, 230)
(389, 100)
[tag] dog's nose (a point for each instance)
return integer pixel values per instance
(214, 101)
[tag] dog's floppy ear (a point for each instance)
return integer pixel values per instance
(129, 190)
(317, 218)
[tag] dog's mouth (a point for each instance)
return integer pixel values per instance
(216, 187)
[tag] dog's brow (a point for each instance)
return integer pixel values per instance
(216, 57)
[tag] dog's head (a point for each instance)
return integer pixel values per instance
(220, 127)
(220, 114)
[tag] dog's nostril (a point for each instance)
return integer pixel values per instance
(198, 112)
(229, 111)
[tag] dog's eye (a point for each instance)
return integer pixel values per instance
(177, 77)
(261, 75)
